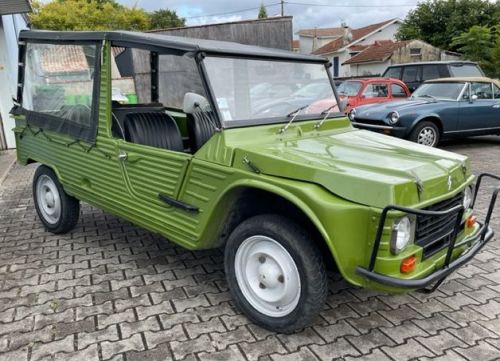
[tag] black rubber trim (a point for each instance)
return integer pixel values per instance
(178, 204)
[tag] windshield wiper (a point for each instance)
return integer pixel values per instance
(294, 115)
(325, 112)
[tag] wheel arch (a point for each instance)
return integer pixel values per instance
(243, 201)
(433, 118)
(50, 166)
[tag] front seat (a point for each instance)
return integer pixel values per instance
(155, 129)
(201, 122)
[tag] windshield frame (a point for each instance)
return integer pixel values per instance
(464, 88)
(240, 123)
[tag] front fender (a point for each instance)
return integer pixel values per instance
(276, 189)
(434, 116)
(343, 225)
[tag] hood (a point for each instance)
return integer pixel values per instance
(381, 110)
(362, 166)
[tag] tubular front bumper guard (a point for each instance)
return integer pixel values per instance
(435, 279)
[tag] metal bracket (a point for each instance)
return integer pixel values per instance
(252, 166)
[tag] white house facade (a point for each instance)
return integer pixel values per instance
(342, 43)
(12, 20)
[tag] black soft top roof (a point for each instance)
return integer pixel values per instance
(170, 42)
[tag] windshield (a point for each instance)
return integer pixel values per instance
(261, 89)
(349, 88)
(449, 91)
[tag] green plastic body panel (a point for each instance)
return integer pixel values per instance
(339, 177)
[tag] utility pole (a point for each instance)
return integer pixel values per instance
(282, 7)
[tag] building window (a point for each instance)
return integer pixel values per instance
(336, 66)
(416, 53)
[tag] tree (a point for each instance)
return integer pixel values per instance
(475, 44)
(492, 67)
(437, 22)
(481, 44)
(87, 15)
(262, 11)
(164, 19)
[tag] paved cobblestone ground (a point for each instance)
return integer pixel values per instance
(112, 291)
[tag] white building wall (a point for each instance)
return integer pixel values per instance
(388, 33)
(369, 68)
(344, 70)
(10, 25)
(305, 44)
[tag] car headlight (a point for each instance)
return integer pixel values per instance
(403, 233)
(468, 196)
(393, 117)
(352, 114)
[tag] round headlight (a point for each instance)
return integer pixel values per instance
(402, 234)
(468, 197)
(393, 117)
(352, 114)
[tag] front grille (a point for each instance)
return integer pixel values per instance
(433, 233)
(368, 121)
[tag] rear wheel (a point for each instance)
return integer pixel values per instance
(275, 273)
(57, 210)
(426, 133)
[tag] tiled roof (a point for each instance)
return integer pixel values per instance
(14, 7)
(64, 59)
(330, 47)
(357, 34)
(322, 32)
(379, 51)
(357, 47)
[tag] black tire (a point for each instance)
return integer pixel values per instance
(417, 135)
(308, 261)
(69, 211)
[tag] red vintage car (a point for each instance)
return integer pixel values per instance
(358, 92)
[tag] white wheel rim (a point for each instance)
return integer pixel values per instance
(427, 136)
(267, 276)
(48, 199)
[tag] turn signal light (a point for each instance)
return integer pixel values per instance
(408, 264)
(471, 221)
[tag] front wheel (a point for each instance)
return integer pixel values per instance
(275, 273)
(57, 210)
(425, 133)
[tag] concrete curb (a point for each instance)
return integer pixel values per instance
(10, 164)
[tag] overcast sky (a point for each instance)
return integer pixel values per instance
(313, 13)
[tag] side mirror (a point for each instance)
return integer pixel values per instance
(193, 102)
(473, 98)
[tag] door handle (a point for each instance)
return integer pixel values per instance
(497, 106)
(122, 156)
